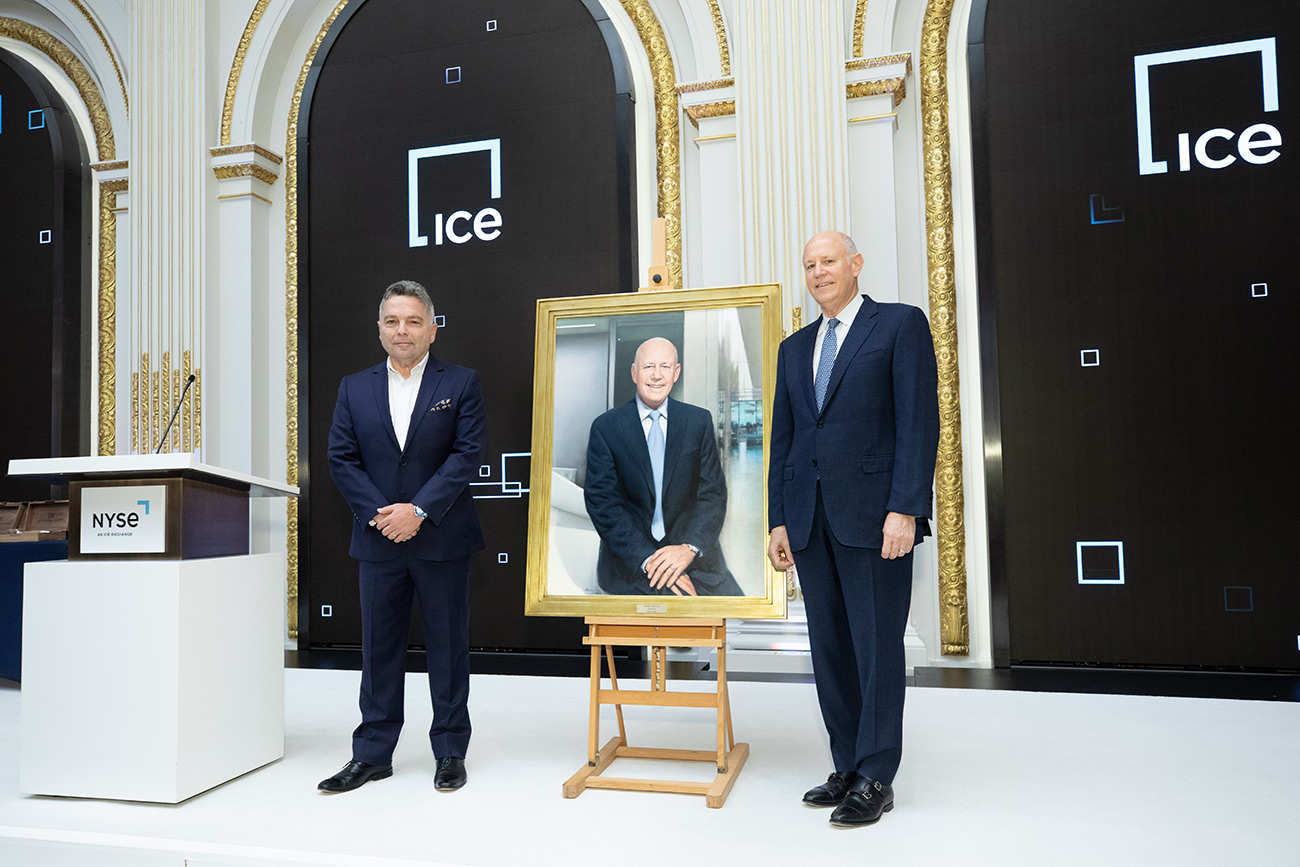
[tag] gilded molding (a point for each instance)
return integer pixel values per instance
(237, 68)
(107, 324)
(699, 86)
(245, 170)
(859, 27)
(231, 150)
(52, 48)
(710, 109)
(114, 166)
(896, 86)
(291, 312)
(667, 133)
(954, 622)
(94, 25)
(877, 62)
(720, 30)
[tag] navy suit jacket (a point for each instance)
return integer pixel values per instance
(443, 452)
(620, 498)
(873, 445)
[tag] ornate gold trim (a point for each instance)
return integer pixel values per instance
(94, 25)
(710, 109)
(231, 150)
(245, 170)
(954, 622)
(52, 48)
(291, 312)
(859, 27)
(720, 30)
(246, 196)
(237, 68)
(877, 62)
(107, 324)
(667, 133)
(109, 167)
(896, 86)
(699, 86)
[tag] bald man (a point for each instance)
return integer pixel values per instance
(655, 490)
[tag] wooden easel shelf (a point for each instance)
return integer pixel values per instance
(658, 634)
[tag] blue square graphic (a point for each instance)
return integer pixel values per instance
(1238, 599)
(36, 119)
(1100, 562)
(453, 75)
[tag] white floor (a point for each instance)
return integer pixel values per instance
(1003, 778)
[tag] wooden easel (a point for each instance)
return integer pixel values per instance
(658, 634)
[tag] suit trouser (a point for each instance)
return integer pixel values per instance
(442, 589)
(857, 604)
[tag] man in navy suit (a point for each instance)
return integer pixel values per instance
(855, 430)
(655, 490)
(405, 442)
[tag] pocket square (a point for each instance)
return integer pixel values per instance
(442, 404)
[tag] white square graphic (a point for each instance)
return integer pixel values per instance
(491, 25)
(46, 236)
(484, 471)
(1258, 290)
(124, 519)
(327, 611)
(453, 75)
(1089, 357)
(503, 557)
(1119, 556)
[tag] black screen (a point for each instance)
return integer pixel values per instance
(519, 123)
(1140, 328)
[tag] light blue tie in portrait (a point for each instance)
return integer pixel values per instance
(655, 442)
(825, 364)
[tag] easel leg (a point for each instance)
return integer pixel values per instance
(613, 682)
(593, 722)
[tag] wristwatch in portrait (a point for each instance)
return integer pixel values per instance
(694, 550)
(419, 513)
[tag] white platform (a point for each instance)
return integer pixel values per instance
(988, 778)
(150, 681)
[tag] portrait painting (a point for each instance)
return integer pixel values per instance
(649, 462)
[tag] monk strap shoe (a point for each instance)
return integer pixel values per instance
(831, 792)
(866, 801)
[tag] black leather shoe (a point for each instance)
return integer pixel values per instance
(864, 804)
(831, 792)
(451, 774)
(353, 776)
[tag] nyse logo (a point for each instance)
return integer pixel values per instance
(118, 520)
(458, 226)
(1257, 144)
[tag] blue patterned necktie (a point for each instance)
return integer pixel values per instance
(655, 442)
(825, 364)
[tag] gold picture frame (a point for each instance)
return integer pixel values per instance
(727, 342)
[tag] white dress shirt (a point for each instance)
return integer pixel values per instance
(845, 317)
(646, 421)
(401, 397)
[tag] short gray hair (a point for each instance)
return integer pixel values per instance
(410, 289)
(849, 247)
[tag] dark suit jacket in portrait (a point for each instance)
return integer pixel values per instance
(443, 449)
(620, 498)
(874, 444)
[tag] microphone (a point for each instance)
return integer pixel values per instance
(175, 412)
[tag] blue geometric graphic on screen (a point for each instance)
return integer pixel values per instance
(1089, 357)
(2, 112)
(327, 611)
(1238, 599)
(440, 320)
(485, 471)
(1258, 290)
(491, 25)
(36, 119)
(1100, 213)
(1100, 562)
(144, 503)
(453, 75)
(505, 489)
(46, 236)
(503, 557)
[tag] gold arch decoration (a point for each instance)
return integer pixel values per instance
(720, 31)
(667, 165)
(103, 40)
(53, 48)
(954, 621)
(859, 27)
(237, 69)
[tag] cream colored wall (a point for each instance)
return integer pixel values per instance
(794, 155)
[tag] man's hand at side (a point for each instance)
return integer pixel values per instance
(778, 549)
(899, 533)
(398, 522)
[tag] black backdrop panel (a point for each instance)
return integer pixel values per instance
(521, 122)
(1145, 361)
(43, 239)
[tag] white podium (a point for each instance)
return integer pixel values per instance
(150, 679)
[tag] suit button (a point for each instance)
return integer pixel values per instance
(814, 462)
(820, 423)
(403, 463)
